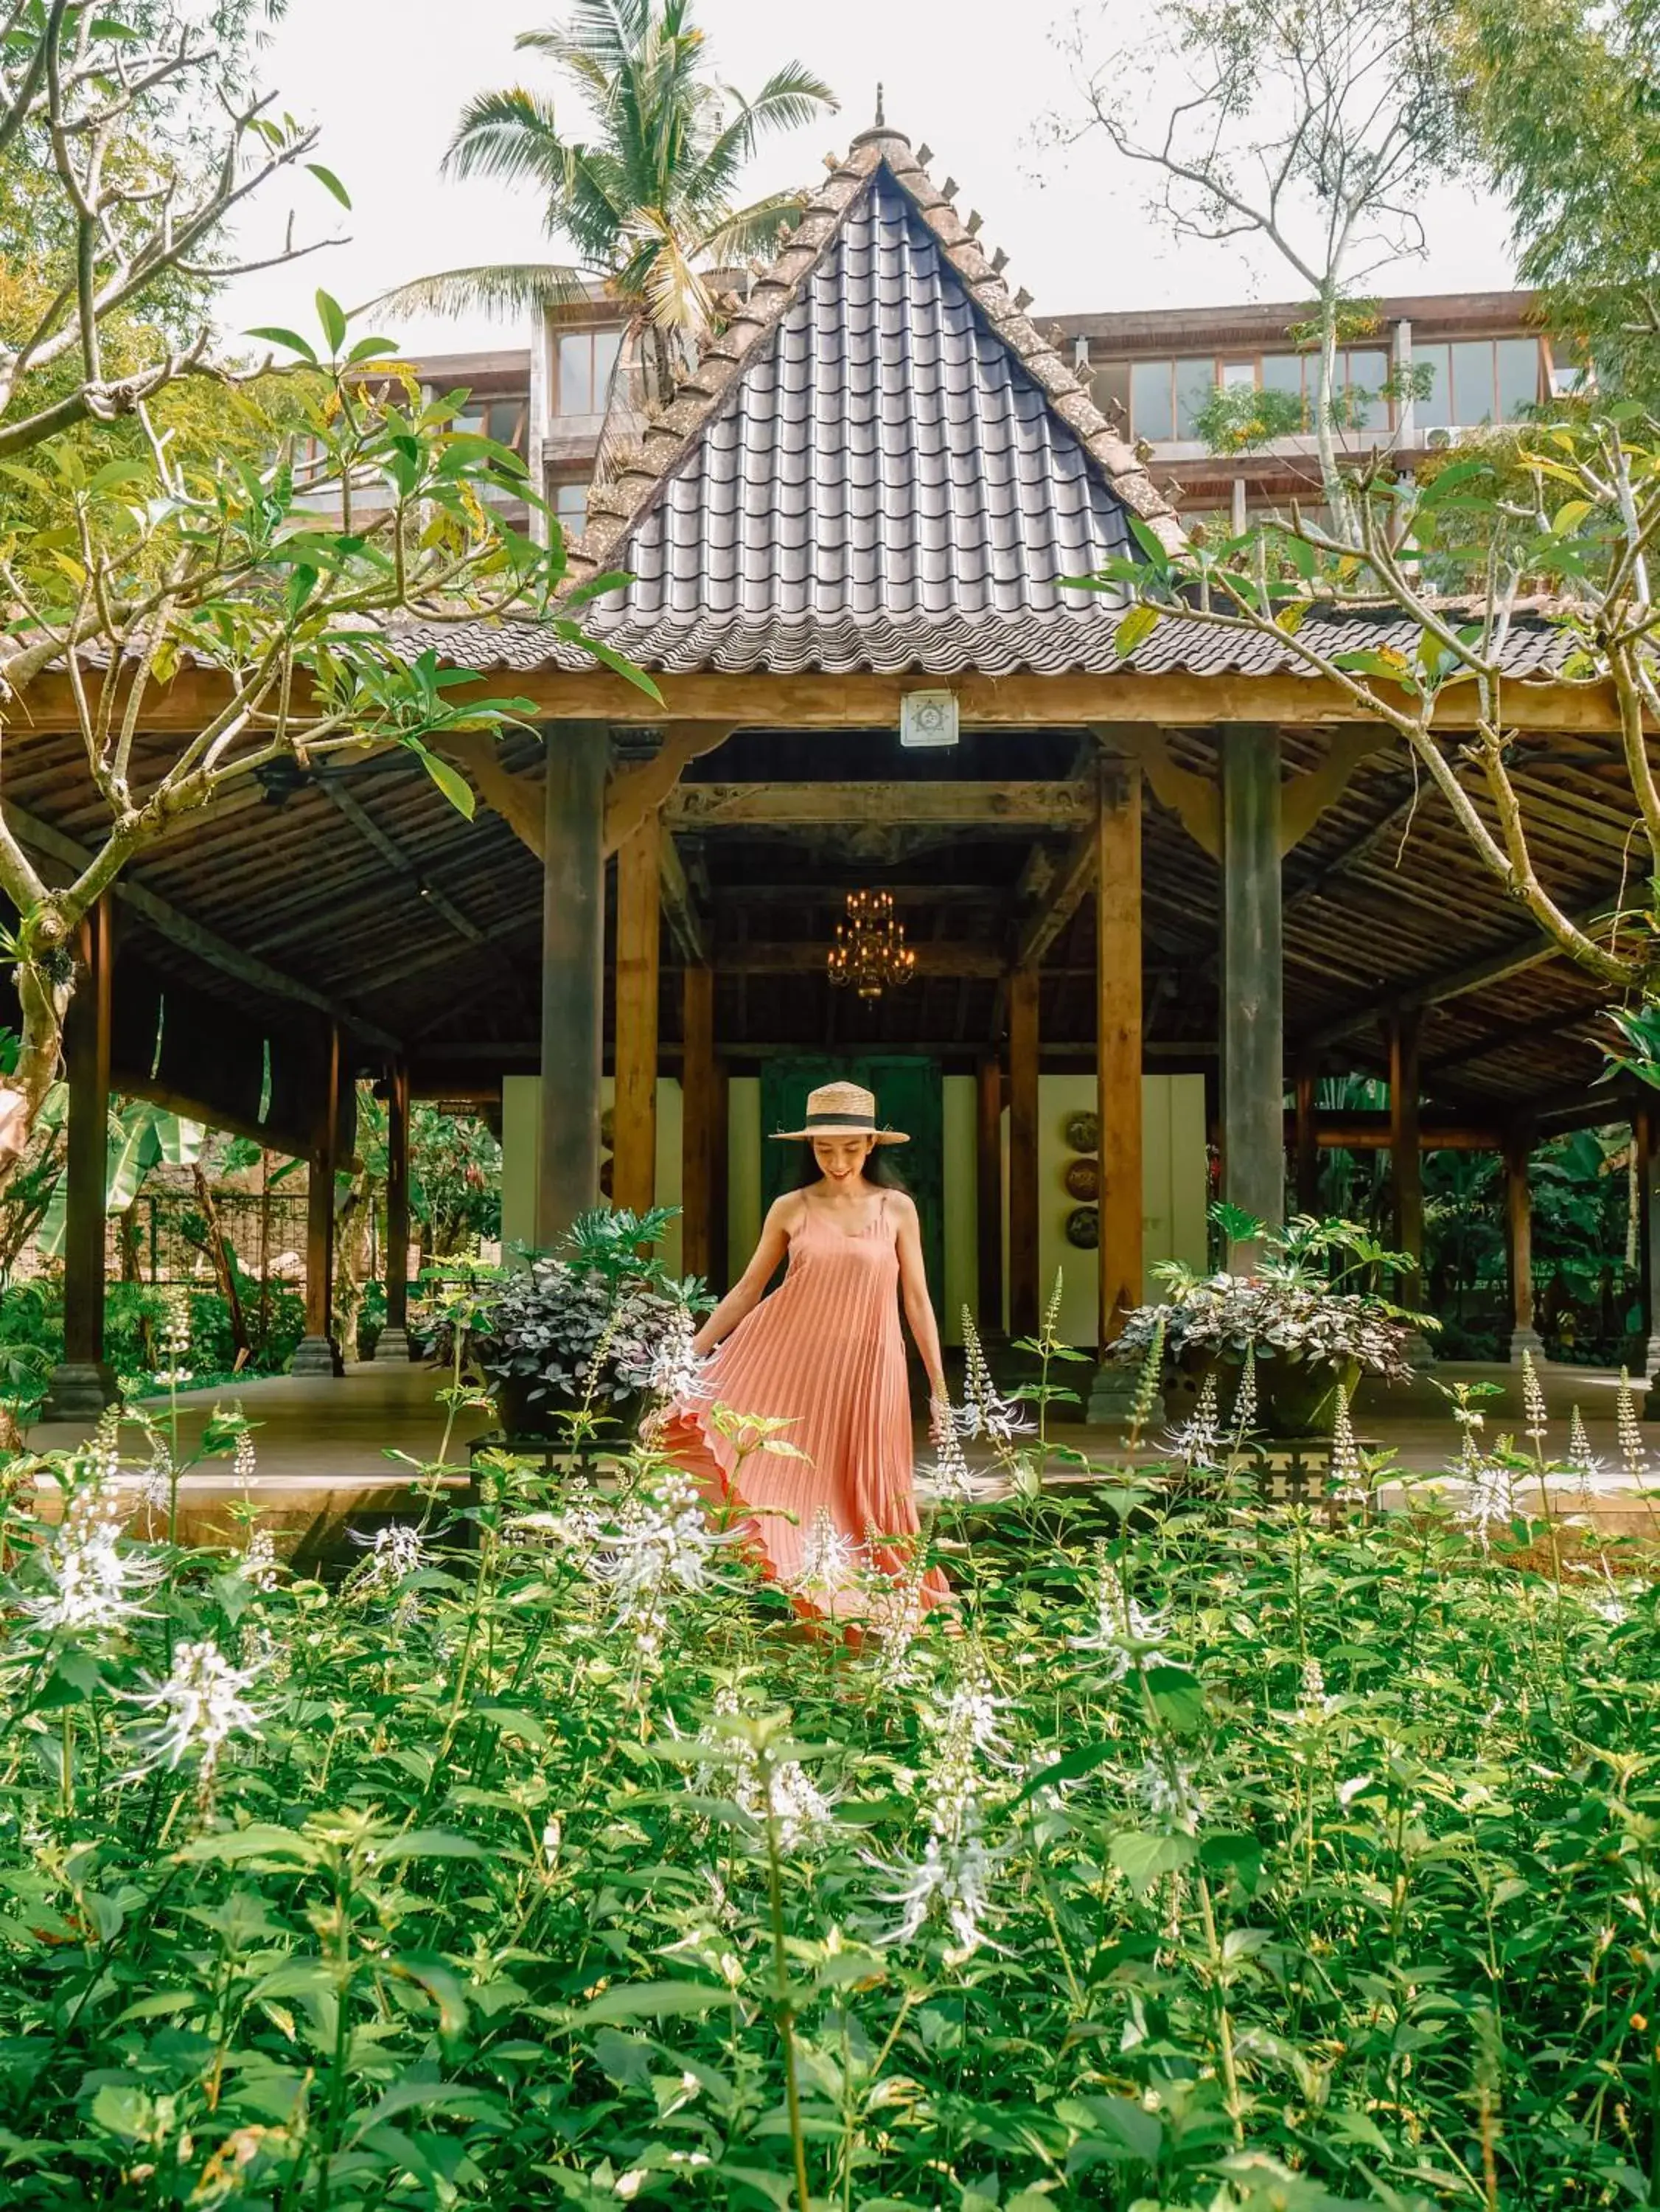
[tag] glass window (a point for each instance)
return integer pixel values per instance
(1238, 373)
(1433, 411)
(1472, 381)
(586, 359)
(1109, 388)
(571, 505)
(504, 422)
(469, 421)
(1194, 382)
(1283, 372)
(1150, 413)
(1367, 373)
(1518, 361)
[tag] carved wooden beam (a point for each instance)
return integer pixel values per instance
(1303, 798)
(1052, 803)
(517, 799)
(1194, 799)
(632, 792)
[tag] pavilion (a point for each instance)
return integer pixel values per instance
(1174, 887)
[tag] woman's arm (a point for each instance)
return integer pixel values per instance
(745, 1294)
(918, 1306)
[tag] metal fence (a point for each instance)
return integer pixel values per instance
(162, 1237)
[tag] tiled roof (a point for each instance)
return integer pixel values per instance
(878, 464)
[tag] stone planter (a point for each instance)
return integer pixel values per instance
(1296, 1398)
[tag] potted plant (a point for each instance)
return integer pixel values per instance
(598, 1324)
(1310, 1314)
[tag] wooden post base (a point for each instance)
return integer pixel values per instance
(1525, 1339)
(1112, 1393)
(393, 1347)
(80, 1390)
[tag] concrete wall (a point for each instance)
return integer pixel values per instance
(1173, 1181)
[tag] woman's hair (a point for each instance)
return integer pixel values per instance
(878, 1169)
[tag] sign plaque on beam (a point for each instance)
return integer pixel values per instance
(928, 718)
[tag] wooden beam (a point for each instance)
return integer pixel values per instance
(1067, 888)
(719, 1177)
(400, 862)
(1252, 995)
(1643, 1134)
(1173, 699)
(82, 1383)
(1118, 1043)
(680, 908)
(935, 958)
(639, 928)
(393, 1343)
(1357, 1131)
(192, 936)
(640, 789)
(1308, 1142)
(988, 1192)
(1405, 1155)
(1518, 1227)
(573, 977)
(1196, 800)
(1055, 803)
(315, 1352)
(697, 1085)
(1306, 797)
(1024, 1293)
(1512, 1033)
(1434, 989)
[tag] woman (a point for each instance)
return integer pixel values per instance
(824, 1357)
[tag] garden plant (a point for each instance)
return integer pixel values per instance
(1200, 1856)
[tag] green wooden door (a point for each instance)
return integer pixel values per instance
(910, 1096)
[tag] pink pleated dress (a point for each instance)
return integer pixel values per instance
(825, 1354)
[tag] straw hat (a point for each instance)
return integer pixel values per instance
(843, 1110)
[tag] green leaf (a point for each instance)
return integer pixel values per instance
(1228, 1854)
(450, 780)
(1125, 2125)
(1178, 1697)
(426, 1844)
(1141, 1858)
(615, 662)
(652, 2001)
(292, 339)
(1084, 1760)
(1137, 627)
(370, 350)
(114, 473)
(332, 316)
(330, 182)
(261, 1841)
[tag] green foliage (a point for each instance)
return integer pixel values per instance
(648, 197)
(1564, 101)
(1204, 1859)
(455, 1178)
(1243, 419)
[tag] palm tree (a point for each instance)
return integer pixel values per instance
(647, 200)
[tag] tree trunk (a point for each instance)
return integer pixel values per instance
(224, 1264)
(39, 1063)
(352, 1262)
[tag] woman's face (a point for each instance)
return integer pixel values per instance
(841, 1159)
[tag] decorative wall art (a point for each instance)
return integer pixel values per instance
(1083, 1228)
(1083, 1131)
(1082, 1178)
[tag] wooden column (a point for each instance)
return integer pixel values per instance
(988, 1194)
(82, 1385)
(1308, 1142)
(1406, 1160)
(1119, 1041)
(1023, 1287)
(639, 925)
(1252, 997)
(572, 975)
(720, 1269)
(393, 1343)
(315, 1353)
(697, 1083)
(1518, 1227)
(1643, 1133)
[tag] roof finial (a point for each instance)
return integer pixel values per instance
(882, 120)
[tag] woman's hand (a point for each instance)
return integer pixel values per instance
(940, 1419)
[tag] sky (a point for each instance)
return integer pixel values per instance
(974, 79)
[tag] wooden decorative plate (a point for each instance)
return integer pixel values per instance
(1083, 1131)
(1083, 1228)
(1083, 1179)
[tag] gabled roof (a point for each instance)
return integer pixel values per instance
(878, 464)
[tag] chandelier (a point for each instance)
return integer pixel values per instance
(870, 953)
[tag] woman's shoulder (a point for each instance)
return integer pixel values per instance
(787, 1210)
(900, 1203)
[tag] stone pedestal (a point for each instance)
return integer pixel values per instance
(392, 1347)
(1526, 1339)
(1421, 1352)
(1112, 1393)
(314, 1355)
(80, 1389)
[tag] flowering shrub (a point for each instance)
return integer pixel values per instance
(600, 1324)
(1206, 1859)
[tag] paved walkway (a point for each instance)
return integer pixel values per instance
(328, 1449)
